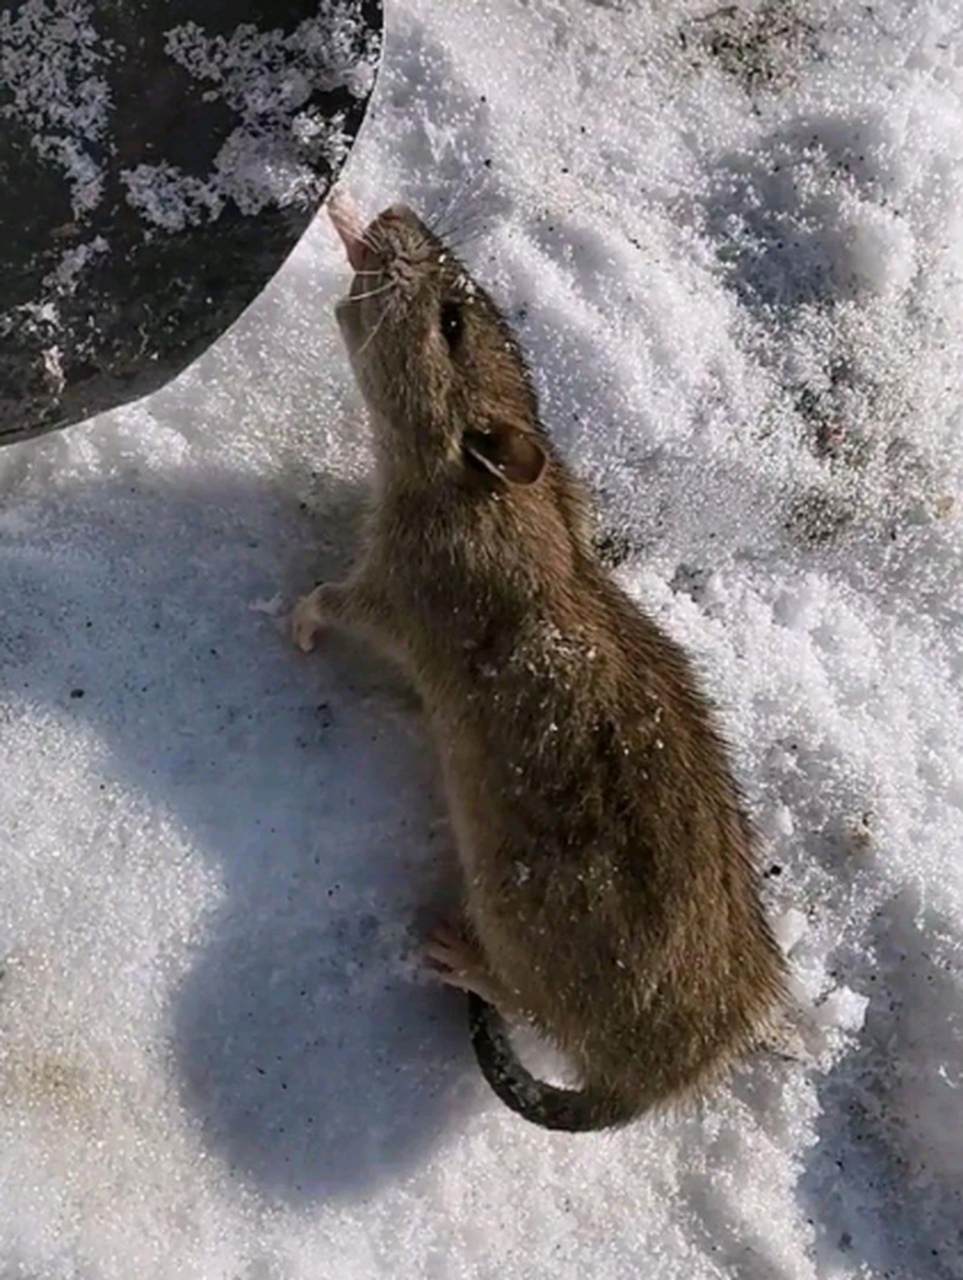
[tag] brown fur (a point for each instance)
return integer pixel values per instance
(609, 887)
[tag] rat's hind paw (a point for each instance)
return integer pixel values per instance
(458, 962)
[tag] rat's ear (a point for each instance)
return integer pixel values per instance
(506, 452)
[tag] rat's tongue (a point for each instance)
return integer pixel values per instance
(347, 221)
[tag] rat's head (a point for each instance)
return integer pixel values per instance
(439, 367)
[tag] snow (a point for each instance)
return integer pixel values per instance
(735, 260)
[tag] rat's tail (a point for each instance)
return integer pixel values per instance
(543, 1104)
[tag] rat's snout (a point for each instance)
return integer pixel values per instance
(371, 247)
(397, 212)
(397, 243)
(388, 229)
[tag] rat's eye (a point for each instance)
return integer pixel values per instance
(451, 323)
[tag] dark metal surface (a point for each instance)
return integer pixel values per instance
(159, 159)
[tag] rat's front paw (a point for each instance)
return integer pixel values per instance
(307, 622)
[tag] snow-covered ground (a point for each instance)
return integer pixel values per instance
(732, 240)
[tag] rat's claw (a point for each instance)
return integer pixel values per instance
(448, 957)
(306, 623)
(458, 962)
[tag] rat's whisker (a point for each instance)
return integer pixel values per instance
(371, 293)
(439, 220)
(374, 332)
(468, 236)
(374, 238)
(435, 222)
(472, 220)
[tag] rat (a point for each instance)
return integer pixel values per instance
(610, 893)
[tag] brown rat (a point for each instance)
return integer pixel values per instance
(610, 894)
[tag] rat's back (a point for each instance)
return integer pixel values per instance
(608, 860)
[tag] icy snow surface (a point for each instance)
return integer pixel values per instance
(732, 240)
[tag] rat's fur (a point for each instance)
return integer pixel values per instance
(610, 894)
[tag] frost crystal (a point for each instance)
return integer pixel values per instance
(283, 147)
(50, 56)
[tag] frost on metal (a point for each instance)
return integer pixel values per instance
(267, 75)
(51, 57)
(270, 80)
(155, 174)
